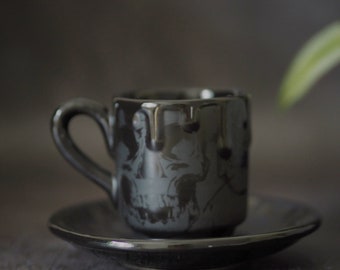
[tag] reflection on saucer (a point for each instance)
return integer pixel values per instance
(272, 224)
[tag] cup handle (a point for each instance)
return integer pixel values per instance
(69, 150)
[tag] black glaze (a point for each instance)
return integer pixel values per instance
(181, 157)
(272, 225)
(164, 137)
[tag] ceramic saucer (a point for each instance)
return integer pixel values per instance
(272, 224)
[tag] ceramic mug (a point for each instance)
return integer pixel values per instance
(181, 158)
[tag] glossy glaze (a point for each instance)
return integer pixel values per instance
(271, 225)
(181, 158)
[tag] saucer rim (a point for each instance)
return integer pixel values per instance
(292, 233)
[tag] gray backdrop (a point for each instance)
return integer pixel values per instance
(52, 51)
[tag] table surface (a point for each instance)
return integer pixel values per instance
(26, 243)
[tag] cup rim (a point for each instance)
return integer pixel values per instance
(178, 95)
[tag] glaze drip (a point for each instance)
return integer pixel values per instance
(189, 120)
(155, 116)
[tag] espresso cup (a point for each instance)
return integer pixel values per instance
(181, 158)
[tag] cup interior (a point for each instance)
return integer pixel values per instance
(181, 94)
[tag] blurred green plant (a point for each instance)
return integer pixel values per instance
(318, 56)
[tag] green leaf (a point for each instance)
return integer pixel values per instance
(318, 56)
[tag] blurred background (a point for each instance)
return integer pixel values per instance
(52, 51)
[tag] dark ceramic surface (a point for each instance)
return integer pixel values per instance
(181, 157)
(272, 224)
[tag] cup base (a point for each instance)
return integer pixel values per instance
(215, 232)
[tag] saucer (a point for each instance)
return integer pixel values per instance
(272, 224)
